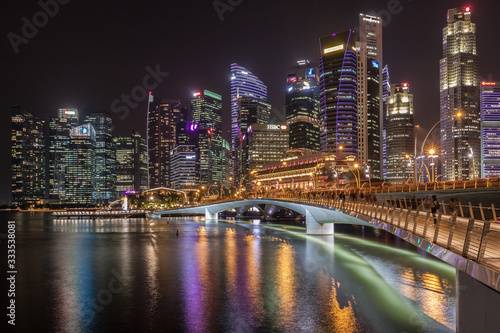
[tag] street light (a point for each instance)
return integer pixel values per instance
(356, 166)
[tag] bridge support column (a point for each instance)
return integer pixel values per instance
(477, 305)
(210, 216)
(315, 228)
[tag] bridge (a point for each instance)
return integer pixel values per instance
(471, 245)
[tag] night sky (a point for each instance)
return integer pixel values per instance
(92, 52)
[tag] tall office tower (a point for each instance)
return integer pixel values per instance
(162, 119)
(266, 143)
(490, 129)
(248, 101)
(338, 97)
(460, 92)
(206, 108)
(105, 156)
(386, 92)
(131, 164)
(80, 173)
(59, 128)
(28, 156)
(185, 157)
(302, 107)
(400, 133)
(370, 108)
(226, 149)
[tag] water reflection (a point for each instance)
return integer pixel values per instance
(227, 277)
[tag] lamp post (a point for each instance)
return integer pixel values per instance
(431, 156)
(356, 166)
(456, 115)
(415, 156)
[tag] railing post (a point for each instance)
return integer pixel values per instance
(426, 223)
(444, 207)
(381, 210)
(482, 244)
(494, 212)
(452, 231)
(436, 231)
(482, 212)
(461, 209)
(468, 237)
(406, 204)
(471, 212)
(393, 213)
(415, 219)
(408, 213)
(400, 215)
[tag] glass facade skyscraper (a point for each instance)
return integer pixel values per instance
(302, 107)
(105, 157)
(131, 164)
(369, 90)
(338, 93)
(206, 108)
(80, 165)
(400, 133)
(490, 129)
(386, 92)
(59, 128)
(163, 116)
(249, 104)
(28, 156)
(266, 143)
(460, 92)
(185, 157)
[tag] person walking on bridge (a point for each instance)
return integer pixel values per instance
(434, 207)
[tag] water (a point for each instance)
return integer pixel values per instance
(137, 275)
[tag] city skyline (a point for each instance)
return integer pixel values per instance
(123, 125)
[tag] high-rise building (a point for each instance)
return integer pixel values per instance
(249, 104)
(206, 108)
(163, 115)
(460, 93)
(338, 97)
(490, 129)
(386, 92)
(369, 90)
(105, 156)
(266, 143)
(59, 128)
(131, 164)
(80, 165)
(226, 149)
(400, 134)
(28, 156)
(302, 107)
(185, 157)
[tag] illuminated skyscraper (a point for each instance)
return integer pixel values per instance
(369, 90)
(338, 86)
(266, 143)
(490, 129)
(59, 128)
(80, 178)
(460, 92)
(249, 104)
(185, 157)
(206, 108)
(400, 133)
(28, 156)
(386, 91)
(162, 119)
(131, 164)
(302, 107)
(105, 156)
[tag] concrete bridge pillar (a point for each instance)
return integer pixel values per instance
(210, 216)
(477, 305)
(315, 228)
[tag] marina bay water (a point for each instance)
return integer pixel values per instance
(144, 275)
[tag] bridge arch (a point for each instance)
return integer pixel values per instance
(319, 220)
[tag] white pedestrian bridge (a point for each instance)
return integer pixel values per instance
(319, 220)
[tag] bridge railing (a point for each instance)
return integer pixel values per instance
(468, 235)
